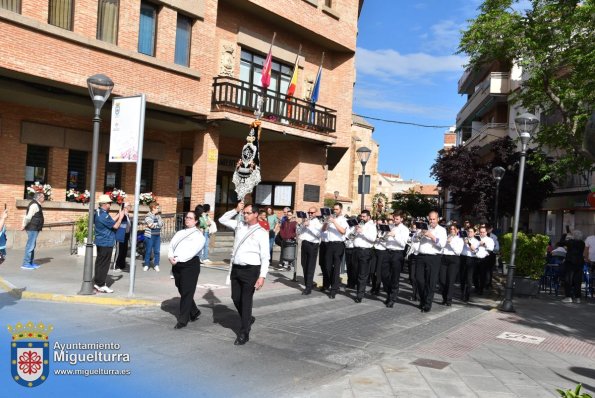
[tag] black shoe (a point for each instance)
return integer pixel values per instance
(194, 317)
(448, 303)
(306, 292)
(322, 288)
(443, 302)
(332, 295)
(390, 304)
(413, 298)
(242, 339)
(357, 300)
(252, 320)
(180, 325)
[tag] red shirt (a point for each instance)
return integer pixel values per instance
(264, 224)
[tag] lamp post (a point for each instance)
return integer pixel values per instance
(497, 173)
(363, 154)
(525, 124)
(336, 193)
(100, 88)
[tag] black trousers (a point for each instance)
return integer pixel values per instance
(243, 280)
(102, 261)
(573, 277)
(309, 255)
(332, 264)
(426, 275)
(491, 266)
(449, 270)
(467, 269)
(391, 273)
(412, 280)
(321, 261)
(363, 258)
(376, 264)
(351, 269)
(186, 278)
(122, 252)
(482, 272)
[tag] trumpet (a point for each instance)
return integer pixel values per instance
(351, 236)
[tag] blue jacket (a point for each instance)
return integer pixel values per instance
(105, 235)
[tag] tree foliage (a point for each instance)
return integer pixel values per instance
(554, 44)
(468, 177)
(413, 203)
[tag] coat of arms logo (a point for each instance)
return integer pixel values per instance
(30, 353)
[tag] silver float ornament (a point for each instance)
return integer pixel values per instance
(247, 173)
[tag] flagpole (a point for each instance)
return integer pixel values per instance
(261, 99)
(288, 96)
(315, 89)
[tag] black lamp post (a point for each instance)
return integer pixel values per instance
(525, 124)
(497, 173)
(363, 154)
(100, 88)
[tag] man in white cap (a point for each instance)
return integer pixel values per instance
(105, 238)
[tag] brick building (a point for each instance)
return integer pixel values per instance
(198, 63)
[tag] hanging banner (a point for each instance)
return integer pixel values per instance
(127, 113)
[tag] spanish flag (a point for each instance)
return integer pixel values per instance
(293, 83)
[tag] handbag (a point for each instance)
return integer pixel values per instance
(278, 240)
(212, 228)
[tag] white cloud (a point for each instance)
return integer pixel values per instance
(445, 36)
(390, 64)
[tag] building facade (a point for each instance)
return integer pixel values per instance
(199, 64)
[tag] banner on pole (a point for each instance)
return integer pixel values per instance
(126, 128)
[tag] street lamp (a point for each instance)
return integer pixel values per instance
(525, 124)
(100, 88)
(336, 193)
(363, 155)
(497, 173)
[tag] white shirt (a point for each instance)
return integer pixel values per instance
(454, 246)
(590, 243)
(310, 233)
(397, 238)
(433, 246)
(332, 233)
(366, 238)
(486, 245)
(470, 248)
(254, 250)
(186, 244)
(349, 242)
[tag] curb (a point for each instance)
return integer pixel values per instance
(21, 293)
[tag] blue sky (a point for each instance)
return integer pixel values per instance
(407, 70)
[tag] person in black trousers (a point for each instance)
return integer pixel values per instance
(123, 237)
(451, 261)
(309, 234)
(573, 267)
(183, 256)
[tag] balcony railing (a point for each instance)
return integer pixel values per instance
(234, 94)
(487, 133)
(497, 84)
(575, 182)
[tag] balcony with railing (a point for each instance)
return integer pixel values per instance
(575, 182)
(486, 134)
(493, 89)
(233, 95)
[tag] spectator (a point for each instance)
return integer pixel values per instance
(288, 231)
(573, 267)
(33, 224)
(204, 225)
(273, 222)
(263, 221)
(154, 224)
(123, 237)
(3, 217)
(105, 238)
(590, 250)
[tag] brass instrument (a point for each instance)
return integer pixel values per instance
(351, 236)
(382, 233)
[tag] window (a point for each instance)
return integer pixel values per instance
(113, 175)
(183, 34)
(61, 12)
(11, 5)
(77, 170)
(107, 21)
(147, 28)
(146, 176)
(277, 194)
(36, 165)
(251, 72)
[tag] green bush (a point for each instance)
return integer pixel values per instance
(531, 251)
(81, 229)
(573, 394)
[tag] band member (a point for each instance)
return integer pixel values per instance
(335, 228)
(469, 264)
(396, 240)
(486, 246)
(378, 259)
(413, 251)
(365, 236)
(349, 258)
(451, 261)
(429, 259)
(309, 234)
(249, 263)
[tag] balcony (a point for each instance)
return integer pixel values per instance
(493, 89)
(486, 134)
(575, 183)
(233, 95)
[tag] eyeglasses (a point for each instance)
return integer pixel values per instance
(247, 213)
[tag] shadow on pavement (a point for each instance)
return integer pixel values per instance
(222, 315)
(7, 299)
(43, 260)
(585, 372)
(172, 306)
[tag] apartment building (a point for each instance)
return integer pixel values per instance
(199, 64)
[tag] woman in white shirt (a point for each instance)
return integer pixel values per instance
(468, 266)
(183, 256)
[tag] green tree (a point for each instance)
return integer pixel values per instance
(414, 203)
(554, 43)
